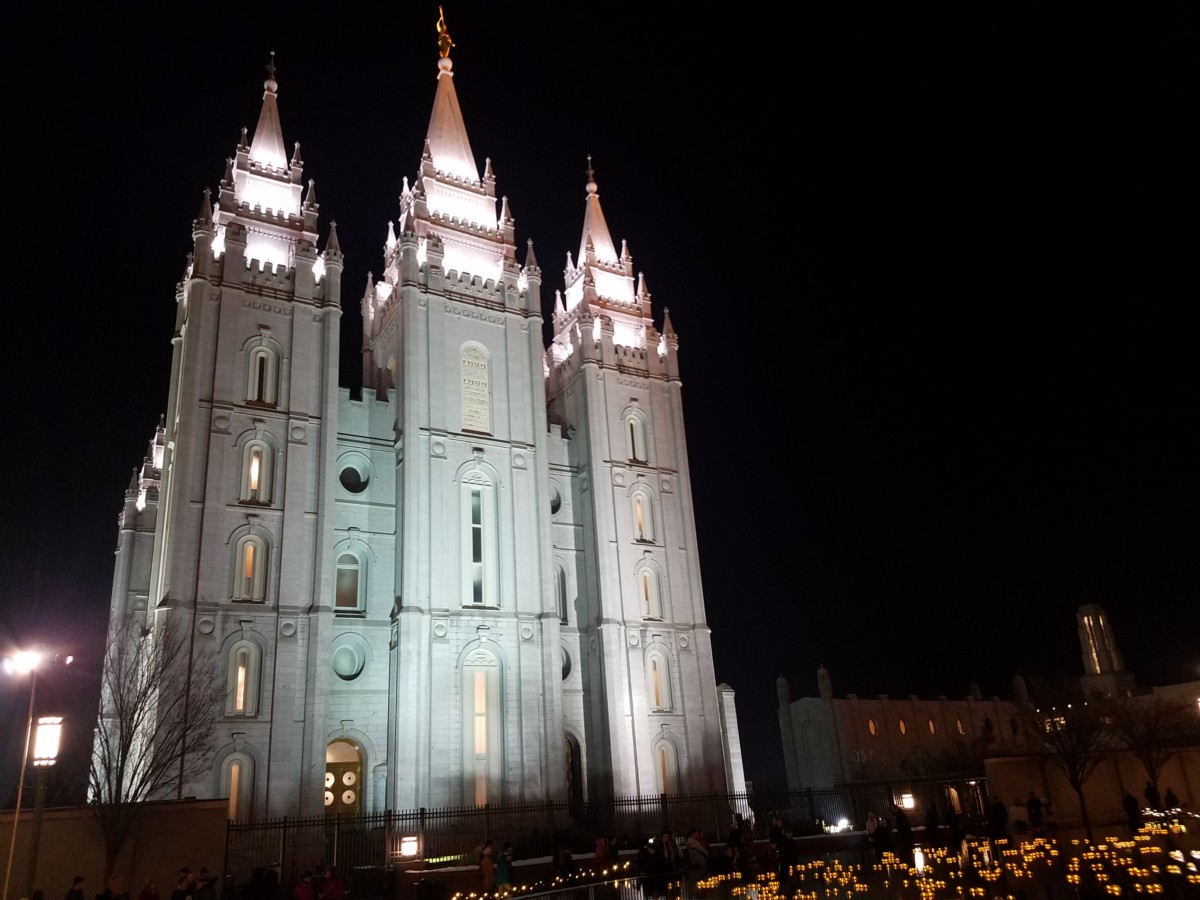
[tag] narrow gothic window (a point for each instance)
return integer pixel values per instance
(263, 376)
(560, 593)
(660, 682)
(648, 590)
(480, 576)
(635, 436)
(482, 727)
(348, 592)
(256, 473)
(643, 516)
(666, 767)
(241, 680)
(237, 783)
(250, 572)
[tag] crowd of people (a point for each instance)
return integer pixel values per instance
(264, 884)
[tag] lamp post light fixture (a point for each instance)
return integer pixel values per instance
(45, 754)
(25, 662)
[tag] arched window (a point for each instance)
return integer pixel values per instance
(658, 677)
(476, 391)
(250, 569)
(482, 729)
(649, 592)
(262, 376)
(560, 593)
(481, 582)
(635, 436)
(343, 778)
(256, 473)
(241, 679)
(237, 783)
(666, 767)
(643, 515)
(349, 589)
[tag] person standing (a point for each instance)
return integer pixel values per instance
(695, 855)
(75, 892)
(1133, 812)
(487, 867)
(1153, 800)
(1170, 801)
(504, 867)
(998, 820)
(904, 836)
(1036, 815)
(149, 892)
(332, 887)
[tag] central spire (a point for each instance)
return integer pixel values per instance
(447, 135)
(267, 147)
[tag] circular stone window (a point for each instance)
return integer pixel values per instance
(353, 480)
(555, 500)
(566, 664)
(349, 656)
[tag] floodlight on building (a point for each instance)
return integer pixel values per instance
(907, 801)
(408, 846)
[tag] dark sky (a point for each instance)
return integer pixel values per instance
(930, 271)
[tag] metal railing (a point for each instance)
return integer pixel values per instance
(364, 848)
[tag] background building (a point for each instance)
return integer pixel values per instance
(475, 583)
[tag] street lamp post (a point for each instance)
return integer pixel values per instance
(24, 662)
(45, 754)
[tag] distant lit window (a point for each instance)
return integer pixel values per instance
(237, 783)
(241, 679)
(903, 727)
(658, 673)
(643, 515)
(250, 569)
(666, 767)
(256, 473)
(649, 592)
(932, 727)
(958, 723)
(872, 727)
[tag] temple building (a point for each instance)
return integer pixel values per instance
(475, 582)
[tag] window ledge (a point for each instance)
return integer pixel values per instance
(350, 613)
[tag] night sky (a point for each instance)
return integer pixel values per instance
(931, 275)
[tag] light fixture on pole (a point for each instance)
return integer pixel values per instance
(24, 662)
(45, 754)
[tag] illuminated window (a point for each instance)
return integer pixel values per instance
(658, 672)
(348, 589)
(903, 727)
(958, 723)
(262, 377)
(643, 515)
(872, 727)
(476, 391)
(635, 436)
(480, 578)
(256, 473)
(932, 727)
(649, 592)
(250, 567)
(241, 679)
(237, 783)
(666, 767)
(482, 729)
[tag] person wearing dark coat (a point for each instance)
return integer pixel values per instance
(904, 836)
(1133, 812)
(1152, 797)
(932, 826)
(998, 820)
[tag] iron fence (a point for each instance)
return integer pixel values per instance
(364, 848)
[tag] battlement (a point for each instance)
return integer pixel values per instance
(270, 276)
(473, 228)
(474, 286)
(270, 216)
(478, 187)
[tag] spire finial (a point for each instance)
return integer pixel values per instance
(444, 41)
(271, 85)
(591, 176)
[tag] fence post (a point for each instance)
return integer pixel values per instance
(487, 822)
(337, 828)
(421, 832)
(228, 830)
(283, 842)
(387, 840)
(717, 819)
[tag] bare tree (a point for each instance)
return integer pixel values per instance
(1151, 727)
(1076, 738)
(155, 728)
